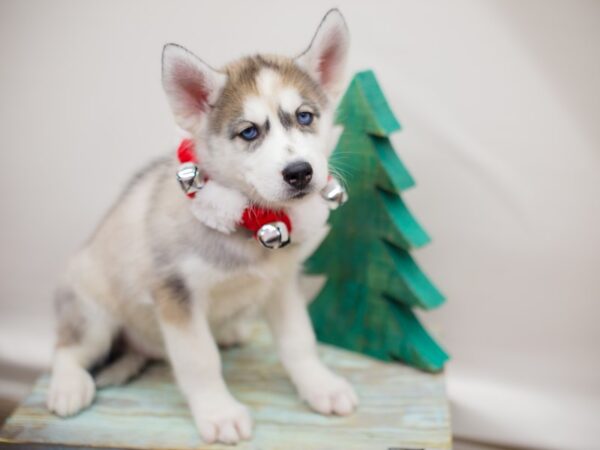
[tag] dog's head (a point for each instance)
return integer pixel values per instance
(262, 124)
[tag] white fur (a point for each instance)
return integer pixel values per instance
(267, 83)
(289, 100)
(217, 414)
(179, 67)
(256, 109)
(331, 38)
(219, 207)
(261, 169)
(71, 386)
(227, 275)
(308, 217)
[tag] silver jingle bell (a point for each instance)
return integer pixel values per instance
(190, 177)
(334, 193)
(274, 235)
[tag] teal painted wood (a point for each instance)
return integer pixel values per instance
(394, 170)
(366, 107)
(400, 407)
(372, 280)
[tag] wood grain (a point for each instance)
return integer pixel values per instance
(400, 408)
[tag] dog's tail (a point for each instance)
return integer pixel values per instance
(121, 370)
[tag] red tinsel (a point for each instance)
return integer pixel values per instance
(255, 217)
(186, 152)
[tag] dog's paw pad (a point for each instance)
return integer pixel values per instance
(71, 390)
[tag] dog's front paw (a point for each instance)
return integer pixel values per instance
(221, 418)
(71, 389)
(328, 393)
(219, 207)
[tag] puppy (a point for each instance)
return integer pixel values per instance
(174, 277)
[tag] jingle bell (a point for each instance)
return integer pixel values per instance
(334, 193)
(273, 235)
(190, 178)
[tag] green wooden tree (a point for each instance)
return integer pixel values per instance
(372, 281)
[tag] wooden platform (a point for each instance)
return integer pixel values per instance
(400, 408)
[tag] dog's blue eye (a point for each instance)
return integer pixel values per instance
(250, 133)
(304, 117)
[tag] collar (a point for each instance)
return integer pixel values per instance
(270, 227)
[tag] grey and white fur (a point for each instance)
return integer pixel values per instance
(174, 277)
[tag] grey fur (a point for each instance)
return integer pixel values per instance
(187, 236)
(136, 179)
(241, 81)
(285, 118)
(121, 370)
(70, 320)
(178, 290)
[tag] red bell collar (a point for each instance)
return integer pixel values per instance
(254, 217)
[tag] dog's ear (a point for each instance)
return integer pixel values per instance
(191, 85)
(325, 57)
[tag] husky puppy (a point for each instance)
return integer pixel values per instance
(173, 277)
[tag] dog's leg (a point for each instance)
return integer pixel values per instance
(85, 333)
(195, 359)
(126, 367)
(288, 318)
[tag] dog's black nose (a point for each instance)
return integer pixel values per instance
(298, 174)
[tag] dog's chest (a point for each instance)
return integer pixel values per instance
(242, 292)
(237, 295)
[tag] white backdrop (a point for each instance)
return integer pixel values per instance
(500, 102)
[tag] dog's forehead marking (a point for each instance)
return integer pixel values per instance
(253, 76)
(268, 82)
(256, 109)
(289, 99)
(273, 94)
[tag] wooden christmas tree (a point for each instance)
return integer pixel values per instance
(372, 281)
